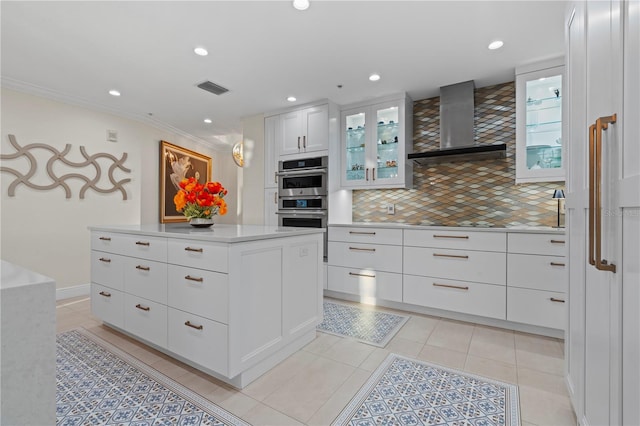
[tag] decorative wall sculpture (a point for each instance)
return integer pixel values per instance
(91, 161)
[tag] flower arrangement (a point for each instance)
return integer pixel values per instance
(196, 200)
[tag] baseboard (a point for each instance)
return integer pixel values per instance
(75, 291)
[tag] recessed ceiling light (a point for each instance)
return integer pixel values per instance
(374, 77)
(114, 93)
(496, 44)
(291, 99)
(301, 4)
(207, 120)
(200, 51)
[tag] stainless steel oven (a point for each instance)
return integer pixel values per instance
(302, 194)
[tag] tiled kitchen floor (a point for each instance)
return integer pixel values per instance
(314, 385)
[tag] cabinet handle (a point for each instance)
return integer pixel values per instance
(198, 250)
(298, 142)
(104, 259)
(556, 264)
(595, 193)
(105, 238)
(143, 243)
(275, 177)
(373, 173)
(304, 142)
(361, 249)
(190, 278)
(353, 274)
(553, 299)
(366, 174)
(143, 268)
(361, 233)
(275, 198)
(462, 237)
(197, 327)
(455, 256)
(105, 294)
(557, 241)
(458, 287)
(144, 308)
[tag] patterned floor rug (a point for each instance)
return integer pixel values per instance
(368, 326)
(98, 384)
(404, 391)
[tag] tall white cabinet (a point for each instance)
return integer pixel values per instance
(603, 211)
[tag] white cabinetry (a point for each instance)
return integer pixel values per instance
(376, 138)
(304, 130)
(539, 98)
(603, 339)
(456, 271)
(271, 153)
(536, 280)
(231, 310)
(366, 262)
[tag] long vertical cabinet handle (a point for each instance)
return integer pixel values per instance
(595, 194)
(592, 202)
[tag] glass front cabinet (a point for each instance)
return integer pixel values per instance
(539, 148)
(376, 138)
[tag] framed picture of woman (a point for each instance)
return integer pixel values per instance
(177, 163)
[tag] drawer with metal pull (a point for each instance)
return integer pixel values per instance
(198, 339)
(537, 272)
(458, 240)
(380, 257)
(201, 292)
(146, 278)
(543, 244)
(465, 265)
(473, 298)
(369, 284)
(144, 247)
(199, 254)
(535, 307)
(107, 304)
(146, 319)
(107, 269)
(364, 234)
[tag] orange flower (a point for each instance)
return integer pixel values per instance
(180, 200)
(195, 199)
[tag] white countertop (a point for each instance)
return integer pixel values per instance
(515, 228)
(16, 276)
(217, 233)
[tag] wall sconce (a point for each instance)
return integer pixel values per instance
(558, 194)
(238, 154)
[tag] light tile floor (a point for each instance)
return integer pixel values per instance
(313, 385)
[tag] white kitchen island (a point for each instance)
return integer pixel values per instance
(230, 300)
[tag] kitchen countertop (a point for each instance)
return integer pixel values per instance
(217, 233)
(515, 228)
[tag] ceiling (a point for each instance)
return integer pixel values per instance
(263, 52)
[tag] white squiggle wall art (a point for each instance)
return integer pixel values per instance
(56, 155)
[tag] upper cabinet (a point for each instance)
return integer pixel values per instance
(271, 131)
(376, 138)
(539, 98)
(304, 130)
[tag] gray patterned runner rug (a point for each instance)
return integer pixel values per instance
(366, 325)
(98, 384)
(405, 391)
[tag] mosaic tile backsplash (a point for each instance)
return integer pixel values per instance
(476, 193)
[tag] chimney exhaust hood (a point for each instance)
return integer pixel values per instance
(457, 129)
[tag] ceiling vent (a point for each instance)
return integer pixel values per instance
(213, 88)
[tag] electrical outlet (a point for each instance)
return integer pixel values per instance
(391, 209)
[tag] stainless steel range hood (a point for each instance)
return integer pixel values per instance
(457, 129)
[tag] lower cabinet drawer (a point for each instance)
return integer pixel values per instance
(146, 319)
(107, 304)
(366, 283)
(535, 307)
(107, 269)
(537, 272)
(146, 278)
(198, 339)
(485, 300)
(204, 293)
(380, 257)
(465, 265)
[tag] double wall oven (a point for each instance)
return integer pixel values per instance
(302, 194)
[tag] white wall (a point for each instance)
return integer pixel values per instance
(46, 232)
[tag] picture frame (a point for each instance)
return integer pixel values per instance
(177, 163)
